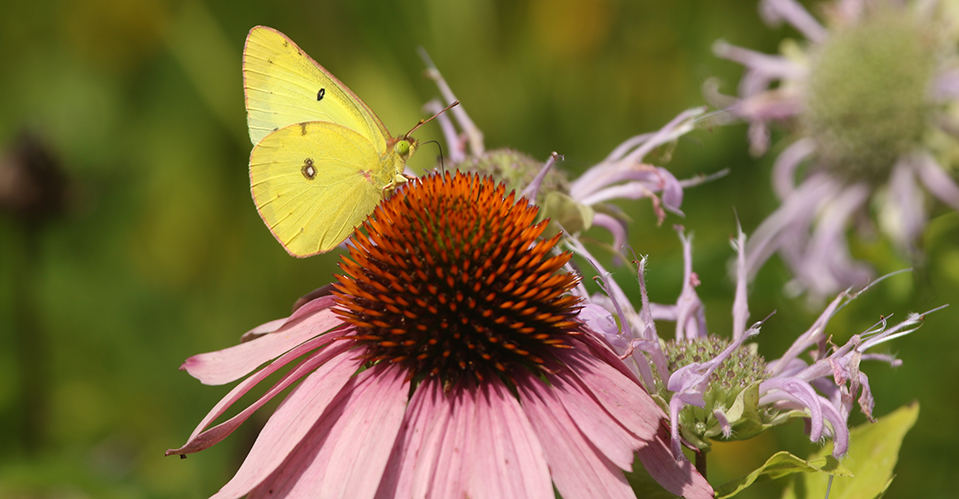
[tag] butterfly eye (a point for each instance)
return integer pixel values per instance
(404, 148)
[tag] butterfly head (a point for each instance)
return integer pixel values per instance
(405, 147)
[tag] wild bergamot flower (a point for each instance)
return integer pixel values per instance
(871, 99)
(449, 361)
(575, 205)
(720, 387)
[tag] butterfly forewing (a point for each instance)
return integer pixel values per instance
(313, 183)
(284, 86)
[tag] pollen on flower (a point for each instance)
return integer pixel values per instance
(452, 279)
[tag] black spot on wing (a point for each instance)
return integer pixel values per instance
(308, 170)
(320, 94)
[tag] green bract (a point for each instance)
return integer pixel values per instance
(733, 389)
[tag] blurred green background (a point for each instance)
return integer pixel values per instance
(158, 253)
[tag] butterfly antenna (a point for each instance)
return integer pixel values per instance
(440, 147)
(442, 164)
(427, 120)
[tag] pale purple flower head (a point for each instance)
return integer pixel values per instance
(575, 205)
(721, 388)
(450, 362)
(872, 101)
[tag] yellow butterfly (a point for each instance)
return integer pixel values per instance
(322, 160)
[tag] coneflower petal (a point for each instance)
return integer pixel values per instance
(231, 364)
(200, 439)
(507, 447)
(578, 470)
(288, 425)
(345, 452)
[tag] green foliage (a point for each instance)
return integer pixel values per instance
(873, 453)
(782, 464)
(864, 473)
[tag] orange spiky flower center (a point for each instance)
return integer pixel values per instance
(452, 280)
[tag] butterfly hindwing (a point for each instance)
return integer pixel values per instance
(313, 183)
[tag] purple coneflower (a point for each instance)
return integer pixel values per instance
(871, 98)
(718, 387)
(449, 362)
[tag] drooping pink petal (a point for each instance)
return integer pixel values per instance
(579, 470)
(347, 449)
(610, 437)
(230, 364)
(200, 439)
(287, 426)
(262, 329)
(619, 394)
(675, 475)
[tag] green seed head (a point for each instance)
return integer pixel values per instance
(516, 170)
(742, 369)
(867, 100)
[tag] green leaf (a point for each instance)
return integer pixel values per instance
(872, 455)
(782, 464)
